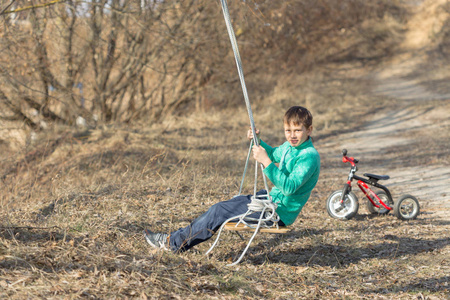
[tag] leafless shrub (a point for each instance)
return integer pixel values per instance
(124, 60)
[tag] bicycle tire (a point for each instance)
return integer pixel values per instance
(345, 212)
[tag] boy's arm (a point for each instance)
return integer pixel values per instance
(273, 153)
(288, 185)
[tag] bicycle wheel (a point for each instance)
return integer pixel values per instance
(345, 210)
(380, 210)
(407, 207)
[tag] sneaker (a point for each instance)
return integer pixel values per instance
(157, 240)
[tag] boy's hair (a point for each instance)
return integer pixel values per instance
(298, 115)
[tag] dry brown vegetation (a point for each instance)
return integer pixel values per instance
(74, 202)
(120, 61)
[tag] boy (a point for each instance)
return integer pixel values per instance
(293, 179)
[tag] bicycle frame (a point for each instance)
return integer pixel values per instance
(363, 185)
(363, 182)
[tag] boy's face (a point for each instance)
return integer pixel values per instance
(296, 134)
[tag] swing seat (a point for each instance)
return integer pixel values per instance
(233, 226)
(240, 226)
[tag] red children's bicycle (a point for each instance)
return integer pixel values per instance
(343, 204)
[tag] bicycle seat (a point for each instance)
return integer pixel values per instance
(376, 177)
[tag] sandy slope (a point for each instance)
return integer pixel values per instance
(418, 113)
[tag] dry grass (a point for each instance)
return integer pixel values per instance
(73, 207)
(74, 203)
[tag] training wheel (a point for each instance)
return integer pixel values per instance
(407, 207)
(380, 210)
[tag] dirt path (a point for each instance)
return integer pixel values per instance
(389, 130)
(395, 141)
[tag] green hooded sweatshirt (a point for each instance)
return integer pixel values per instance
(294, 177)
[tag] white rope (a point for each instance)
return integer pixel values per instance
(245, 167)
(259, 203)
(237, 57)
(268, 213)
(262, 205)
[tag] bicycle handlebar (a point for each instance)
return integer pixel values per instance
(353, 161)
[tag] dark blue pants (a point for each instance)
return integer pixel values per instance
(204, 227)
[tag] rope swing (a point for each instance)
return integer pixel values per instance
(259, 203)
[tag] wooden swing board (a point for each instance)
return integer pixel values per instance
(242, 227)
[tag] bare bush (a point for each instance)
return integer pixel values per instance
(116, 60)
(122, 60)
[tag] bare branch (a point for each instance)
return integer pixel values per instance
(31, 7)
